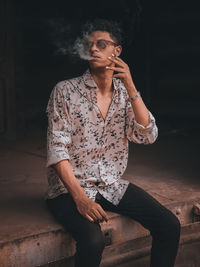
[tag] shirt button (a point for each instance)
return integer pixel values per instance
(101, 142)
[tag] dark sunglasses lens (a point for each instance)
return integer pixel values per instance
(101, 44)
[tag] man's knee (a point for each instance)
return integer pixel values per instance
(175, 226)
(172, 226)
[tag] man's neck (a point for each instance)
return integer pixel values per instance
(103, 79)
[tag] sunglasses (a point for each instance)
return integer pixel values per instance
(101, 44)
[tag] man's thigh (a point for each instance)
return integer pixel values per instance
(142, 207)
(65, 211)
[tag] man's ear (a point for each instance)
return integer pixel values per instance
(118, 50)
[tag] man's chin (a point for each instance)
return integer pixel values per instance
(96, 65)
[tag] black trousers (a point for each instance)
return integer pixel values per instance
(136, 204)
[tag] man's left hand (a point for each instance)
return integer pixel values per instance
(123, 72)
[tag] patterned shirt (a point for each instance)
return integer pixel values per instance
(97, 149)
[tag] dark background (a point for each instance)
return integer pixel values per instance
(161, 46)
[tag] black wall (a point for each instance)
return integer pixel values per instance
(161, 48)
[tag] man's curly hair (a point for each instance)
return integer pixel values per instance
(110, 26)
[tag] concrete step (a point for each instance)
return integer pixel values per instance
(126, 240)
(137, 252)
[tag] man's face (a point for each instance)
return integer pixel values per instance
(101, 46)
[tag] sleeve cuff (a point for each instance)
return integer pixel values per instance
(150, 126)
(56, 158)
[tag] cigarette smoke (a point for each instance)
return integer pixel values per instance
(64, 41)
(80, 47)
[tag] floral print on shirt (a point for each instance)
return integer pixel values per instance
(97, 149)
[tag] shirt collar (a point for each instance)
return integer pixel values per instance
(88, 80)
(90, 83)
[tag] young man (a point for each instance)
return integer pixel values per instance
(91, 119)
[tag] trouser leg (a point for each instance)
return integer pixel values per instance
(161, 222)
(88, 235)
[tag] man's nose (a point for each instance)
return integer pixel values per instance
(93, 47)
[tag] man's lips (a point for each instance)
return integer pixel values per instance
(95, 57)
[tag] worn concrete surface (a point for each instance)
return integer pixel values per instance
(168, 169)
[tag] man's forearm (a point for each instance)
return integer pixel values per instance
(64, 170)
(139, 108)
(123, 72)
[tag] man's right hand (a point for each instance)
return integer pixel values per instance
(86, 206)
(91, 210)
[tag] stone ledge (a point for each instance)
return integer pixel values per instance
(55, 245)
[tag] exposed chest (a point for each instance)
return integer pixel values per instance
(103, 103)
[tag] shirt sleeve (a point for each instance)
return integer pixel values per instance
(59, 130)
(136, 132)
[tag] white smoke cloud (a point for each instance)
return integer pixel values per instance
(80, 47)
(63, 39)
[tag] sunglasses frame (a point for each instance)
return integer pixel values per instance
(108, 42)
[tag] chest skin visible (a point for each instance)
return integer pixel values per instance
(103, 103)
